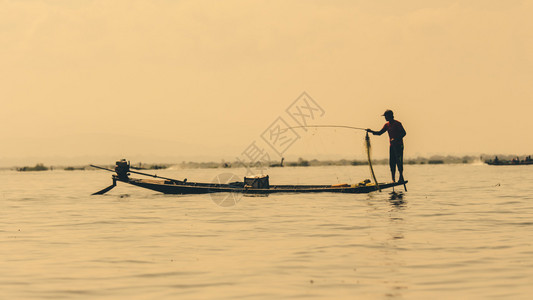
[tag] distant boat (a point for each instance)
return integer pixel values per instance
(508, 163)
(514, 162)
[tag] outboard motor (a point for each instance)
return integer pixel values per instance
(122, 168)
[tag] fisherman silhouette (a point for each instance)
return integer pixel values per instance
(396, 134)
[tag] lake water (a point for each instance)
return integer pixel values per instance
(460, 231)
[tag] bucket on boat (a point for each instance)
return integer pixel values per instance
(257, 182)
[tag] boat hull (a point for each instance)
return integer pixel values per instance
(168, 187)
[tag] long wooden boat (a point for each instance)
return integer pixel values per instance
(173, 186)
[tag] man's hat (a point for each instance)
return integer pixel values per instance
(388, 112)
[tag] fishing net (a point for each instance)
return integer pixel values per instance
(368, 148)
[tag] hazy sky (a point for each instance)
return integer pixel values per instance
(191, 79)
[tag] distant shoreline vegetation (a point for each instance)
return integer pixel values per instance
(42, 167)
(37, 167)
(301, 162)
(434, 160)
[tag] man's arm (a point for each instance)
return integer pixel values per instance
(382, 131)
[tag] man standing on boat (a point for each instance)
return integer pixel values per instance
(396, 134)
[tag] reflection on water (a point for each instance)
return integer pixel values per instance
(396, 199)
(454, 234)
(394, 243)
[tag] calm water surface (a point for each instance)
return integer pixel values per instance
(461, 231)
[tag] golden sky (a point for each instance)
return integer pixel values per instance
(192, 79)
